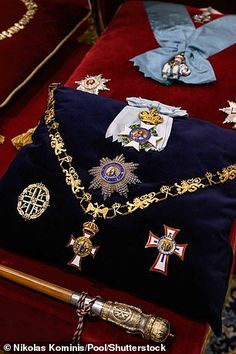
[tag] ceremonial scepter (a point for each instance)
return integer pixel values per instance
(128, 317)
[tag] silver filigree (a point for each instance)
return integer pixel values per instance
(33, 201)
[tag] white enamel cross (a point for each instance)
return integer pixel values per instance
(166, 246)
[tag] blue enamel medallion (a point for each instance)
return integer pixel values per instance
(113, 172)
(140, 135)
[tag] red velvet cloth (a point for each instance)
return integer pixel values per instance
(32, 318)
(25, 51)
(28, 105)
(128, 36)
(108, 8)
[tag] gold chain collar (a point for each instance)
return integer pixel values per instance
(31, 7)
(101, 211)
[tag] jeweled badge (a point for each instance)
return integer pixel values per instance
(231, 113)
(166, 246)
(33, 201)
(140, 136)
(82, 246)
(113, 176)
(93, 84)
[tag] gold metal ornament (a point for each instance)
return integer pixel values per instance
(33, 201)
(82, 246)
(133, 320)
(152, 117)
(114, 176)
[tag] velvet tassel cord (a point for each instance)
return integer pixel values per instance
(128, 317)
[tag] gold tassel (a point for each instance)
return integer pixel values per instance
(2, 139)
(23, 139)
(90, 35)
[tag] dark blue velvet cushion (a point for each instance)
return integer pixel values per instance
(197, 285)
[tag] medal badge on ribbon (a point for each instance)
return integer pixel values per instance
(142, 135)
(82, 246)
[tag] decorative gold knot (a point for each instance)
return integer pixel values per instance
(151, 117)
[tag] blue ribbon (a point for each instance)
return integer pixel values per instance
(174, 30)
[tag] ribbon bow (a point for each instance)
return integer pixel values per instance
(175, 32)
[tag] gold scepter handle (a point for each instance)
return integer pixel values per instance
(133, 320)
(128, 317)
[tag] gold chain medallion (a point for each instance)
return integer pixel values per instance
(33, 201)
(96, 210)
(31, 7)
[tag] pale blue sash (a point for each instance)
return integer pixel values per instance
(174, 30)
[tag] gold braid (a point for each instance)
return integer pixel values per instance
(31, 7)
(101, 211)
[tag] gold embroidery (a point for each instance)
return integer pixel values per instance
(101, 211)
(191, 185)
(31, 7)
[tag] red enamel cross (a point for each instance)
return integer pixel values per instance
(166, 246)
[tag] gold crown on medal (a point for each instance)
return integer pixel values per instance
(152, 117)
(90, 227)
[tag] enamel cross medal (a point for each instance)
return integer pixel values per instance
(82, 246)
(142, 135)
(166, 246)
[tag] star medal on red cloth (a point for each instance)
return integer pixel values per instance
(114, 176)
(82, 246)
(143, 135)
(231, 113)
(166, 246)
(33, 201)
(92, 84)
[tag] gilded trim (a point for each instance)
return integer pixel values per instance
(45, 60)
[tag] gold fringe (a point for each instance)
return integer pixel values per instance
(2, 139)
(23, 139)
(90, 35)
